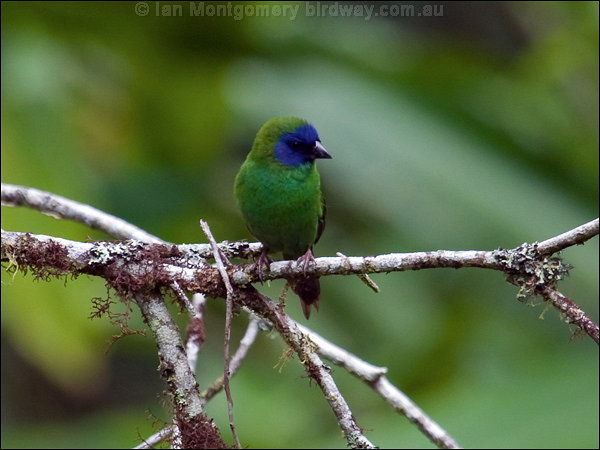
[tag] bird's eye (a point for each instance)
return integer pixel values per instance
(295, 144)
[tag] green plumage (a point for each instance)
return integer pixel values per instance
(281, 203)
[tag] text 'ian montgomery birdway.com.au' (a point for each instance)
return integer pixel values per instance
(240, 11)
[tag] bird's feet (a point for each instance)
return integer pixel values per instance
(263, 260)
(306, 261)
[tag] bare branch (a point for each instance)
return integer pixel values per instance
(375, 377)
(576, 236)
(173, 360)
(60, 207)
(372, 375)
(236, 360)
(416, 415)
(524, 265)
(180, 259)
(183, 300)
(352, 363)
(57, 206)
(571, 310)
(63, 208)
(156, 438)
(363, 277)
(175, 258)
(195, 331)
(392, 262)
(528, 266)
(174, 367)
(228, 320)
(305, 349)
(216, 387)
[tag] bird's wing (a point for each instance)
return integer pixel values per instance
(321, 223)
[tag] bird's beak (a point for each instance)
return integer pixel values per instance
(320, 152)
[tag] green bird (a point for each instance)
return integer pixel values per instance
(279, 193)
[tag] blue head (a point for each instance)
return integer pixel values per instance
(300, 146)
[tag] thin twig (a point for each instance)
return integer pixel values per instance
(183, 299)
(156, 438)
(364, 277)
(236, 360)
(228, 320)
(195, 331)
(572, 311)
(572, 237)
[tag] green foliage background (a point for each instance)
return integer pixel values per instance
(474, 130)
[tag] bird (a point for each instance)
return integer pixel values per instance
(278, 190)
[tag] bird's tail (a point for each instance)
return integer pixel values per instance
(308, 289)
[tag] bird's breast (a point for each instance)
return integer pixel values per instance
(281, 207)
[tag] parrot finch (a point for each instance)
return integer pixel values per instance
(279, 193)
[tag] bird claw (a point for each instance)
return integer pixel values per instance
(306, 261)
(263, 260)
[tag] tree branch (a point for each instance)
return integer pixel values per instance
(571, 310)
(181, 380)
(163, 264)
(217, 385)
(195, 331)
(375, 377)
(576, 236)
(174, 365)
(145, 268)
(313, 365)
(156, 438)
(63, 208)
